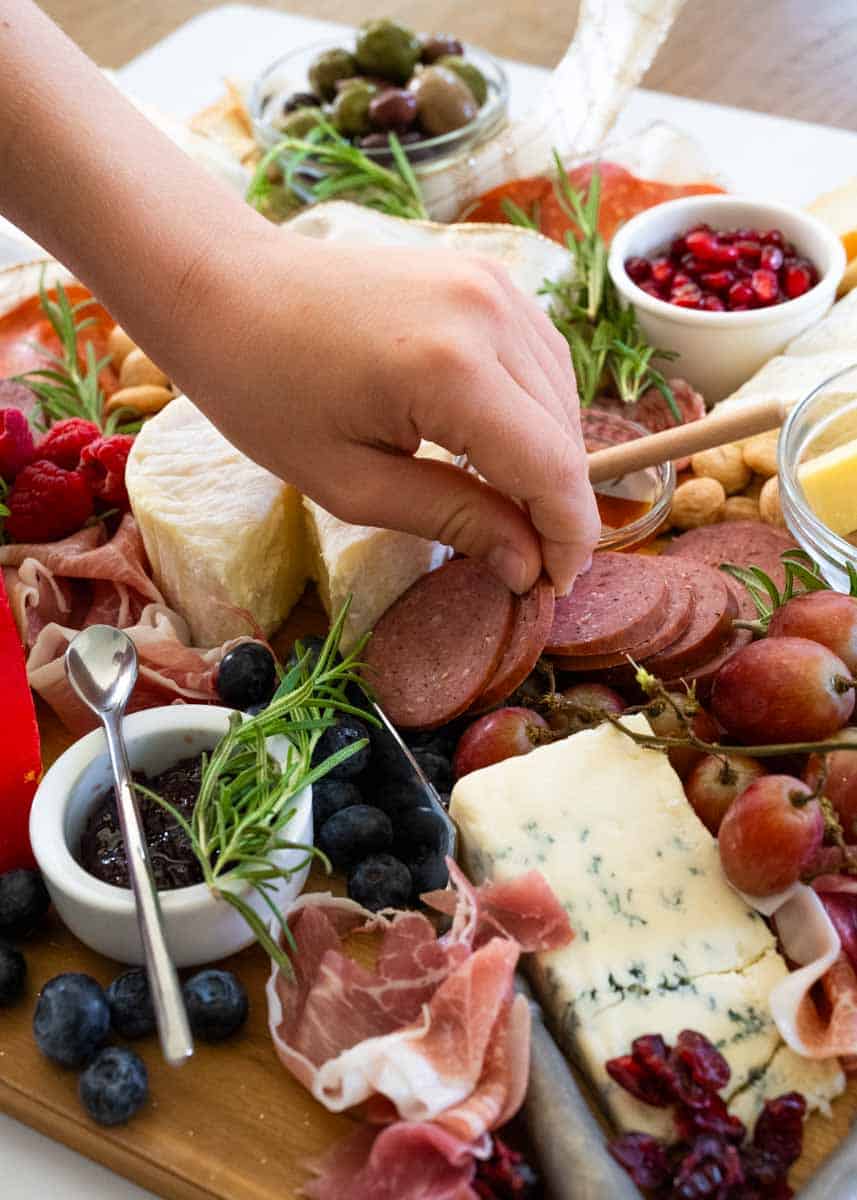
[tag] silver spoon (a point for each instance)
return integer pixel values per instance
(101, 665)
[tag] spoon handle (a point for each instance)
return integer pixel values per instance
(170, 1013)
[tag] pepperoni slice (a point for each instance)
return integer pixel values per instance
(435, 650)
(618, 603)
(25, 327)
(532, 624)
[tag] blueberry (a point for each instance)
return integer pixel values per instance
(330, 796)
(419, 831)
(72, 1019)
(247, 676)
(397, 796)
(380, 882)
(437, 741)
(132, 1014)
(436, 767)
(24, 900)
(216, 1004)
(428, 872)
(114, 1086)
(353, 833)
(13, 973)
(344, 732)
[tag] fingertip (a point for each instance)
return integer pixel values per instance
(510, 566)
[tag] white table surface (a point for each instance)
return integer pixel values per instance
(768, 157)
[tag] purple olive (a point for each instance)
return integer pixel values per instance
(437, 45)
(394, 108)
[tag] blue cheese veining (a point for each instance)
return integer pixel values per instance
(662, 943)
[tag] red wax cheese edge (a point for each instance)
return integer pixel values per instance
(618, 603)
(20, 754)
(676, 617)
(531, 625)
(435, 649)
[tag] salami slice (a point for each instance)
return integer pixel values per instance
(711, 623)
(675, 619)
(744, 543)
(438, 646)
(703, 675)
(618, 603)
(531, 625)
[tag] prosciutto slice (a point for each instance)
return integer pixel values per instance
(59, 588)
(433, 1041)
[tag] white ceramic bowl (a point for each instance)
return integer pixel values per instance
(199, 927)
(720, 351)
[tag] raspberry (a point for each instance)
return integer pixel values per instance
(16, 442)
(103, 463)
(64, 441)
(47, 503)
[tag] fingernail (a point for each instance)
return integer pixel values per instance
(508, 565)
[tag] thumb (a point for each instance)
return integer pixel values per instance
(445, 503)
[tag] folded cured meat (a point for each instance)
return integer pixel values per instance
(225, 537)
(662, 942)
(433, 1040)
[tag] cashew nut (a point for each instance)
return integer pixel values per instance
(119, 346)
(697, 502)
(725, 464)
(137, 370)
(144, 399)
(769, 503)
(760, 453)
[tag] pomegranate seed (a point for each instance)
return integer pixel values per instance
(748, 247)
(678, 247)
(680, 279)
(772, 237)
(651, 289)
(703, 243)
(741, 294)
(662, 271)
(717, 281)
(712, 303)
(692, 265)
(789, 248)
(638, 269)
(726, 254)
(796, 280)
(771, 257)
(765, 285)
(686, 296)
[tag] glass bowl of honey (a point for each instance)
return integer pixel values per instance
(632, 507)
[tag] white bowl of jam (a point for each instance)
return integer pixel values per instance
(200, 927)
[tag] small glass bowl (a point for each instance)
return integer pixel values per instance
(823, 420)
(290, 73)
(653, 486)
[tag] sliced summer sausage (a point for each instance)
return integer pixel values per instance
(618, 603)
(711, 623)
(531, 625)
(439, 645)
(742, 543)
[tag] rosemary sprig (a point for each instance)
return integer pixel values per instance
(62, 389)
(802, 575)
(246, 800)
(603, 334)
(325, 166)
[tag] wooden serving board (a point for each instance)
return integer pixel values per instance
(231, 1124)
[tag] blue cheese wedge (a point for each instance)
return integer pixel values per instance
(662, 943)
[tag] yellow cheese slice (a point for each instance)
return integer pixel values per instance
(829, 483)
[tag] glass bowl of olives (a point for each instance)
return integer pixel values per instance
(439, 97)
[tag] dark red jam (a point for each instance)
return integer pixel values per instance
(725, 271)
(102, 852)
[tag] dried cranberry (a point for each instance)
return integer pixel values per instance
(638, 269)
(628, 1072)
(761, 1168)
(712, 1117)
(765, 285)
(643, 1157)
(779, 1129)
(706, 1064)
(771, 257)
(505, 1175)
(711, 1169)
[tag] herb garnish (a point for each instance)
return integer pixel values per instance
(325, 166)
(802, 575)
(245, 803)
(603, 334)
(63, 389)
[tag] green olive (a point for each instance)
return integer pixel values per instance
(350, 109)
(444, 102)
(467, 72)
(387, 49)
(328, 67)
(298, 124)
